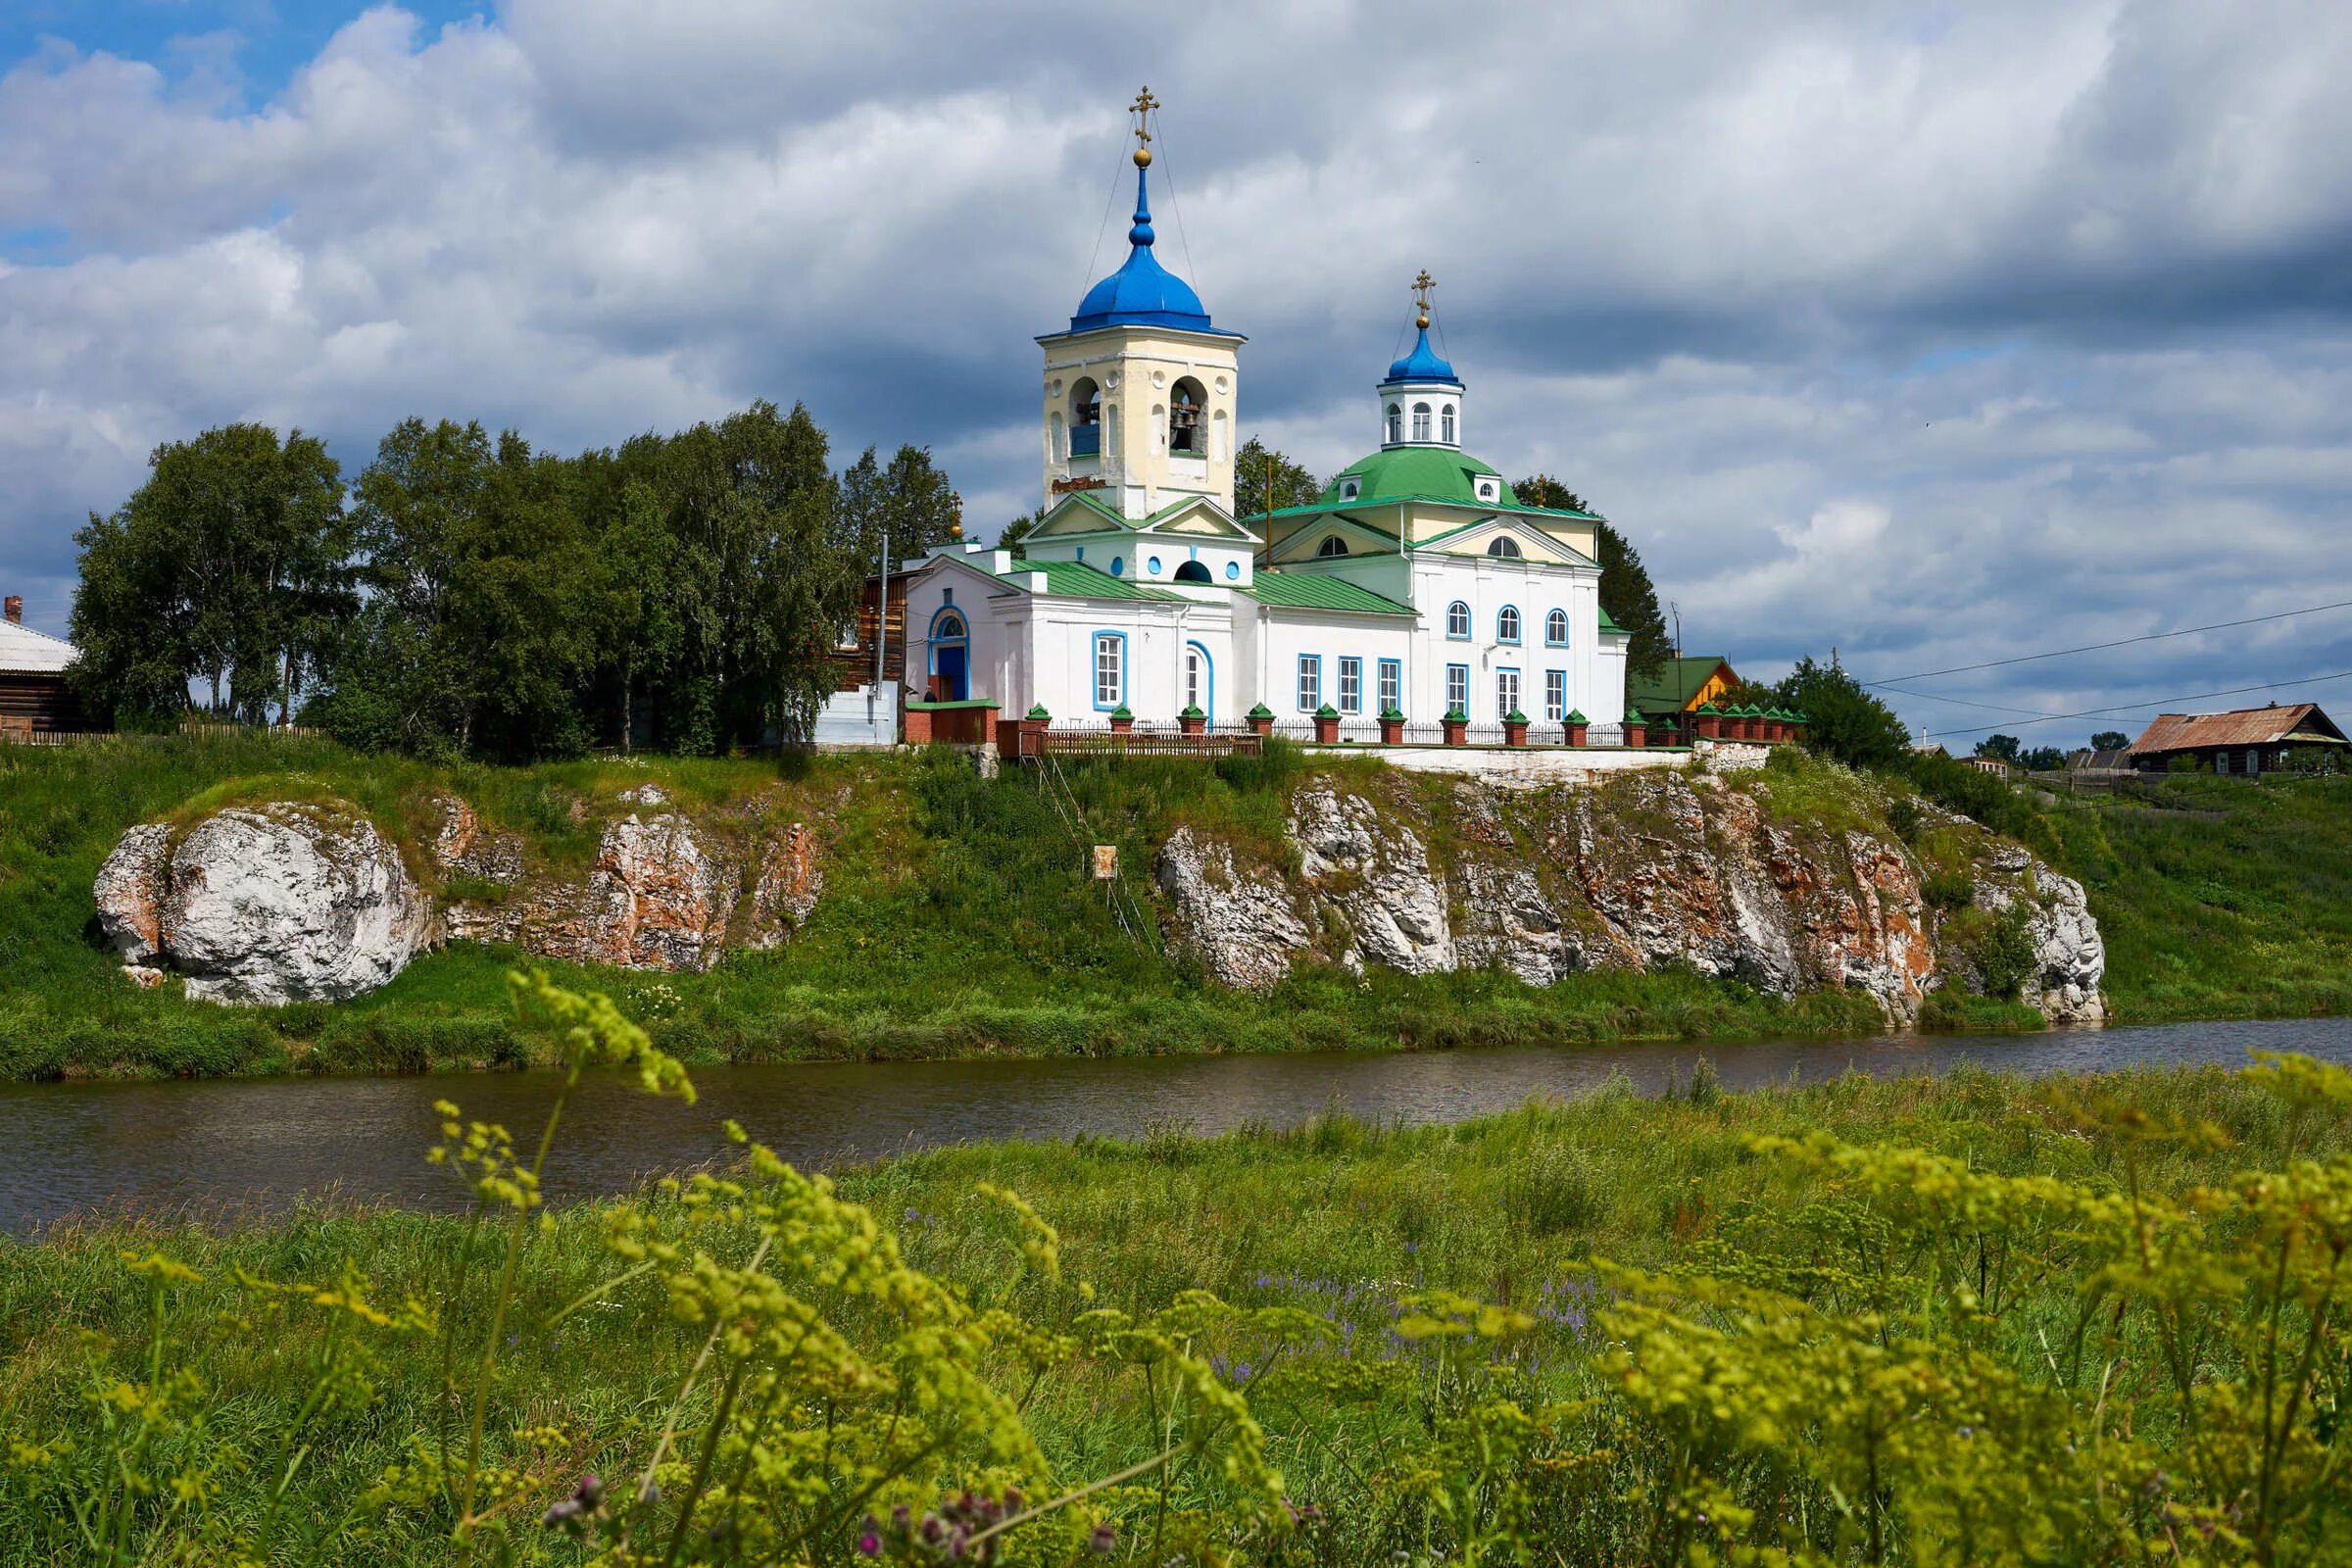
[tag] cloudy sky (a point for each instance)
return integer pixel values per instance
(1936, 334)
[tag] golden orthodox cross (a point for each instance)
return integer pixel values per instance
(1421, 287)
(1141, 109)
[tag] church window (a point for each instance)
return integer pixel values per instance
(1351, 685)
(1446, 423)
(1192, 571)
(1506, 693)
(1457, 688)
(1487, 490)
(1188, 429)
(1555, 629)
(1506, 624)
(1391, 686)
(1420, 421)
(1331, 545)
(1086, 420)
(1118, 566)
(1153, 563)
(1110, 670)
(1349, 489)
(1395, 424)
(1311, 682)
(1505, 548)
(1232, 571)
(1555, 694)
(1457, 619)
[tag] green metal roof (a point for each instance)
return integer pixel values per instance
(1606, 624)
(1300, 590)
(1674, 683)
(1439, 472)
(1075, 579)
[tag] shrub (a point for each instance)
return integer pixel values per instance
(1949, 890)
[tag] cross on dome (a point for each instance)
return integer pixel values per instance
(1421, 287)
(1141, 109)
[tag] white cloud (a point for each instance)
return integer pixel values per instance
(1919, 332)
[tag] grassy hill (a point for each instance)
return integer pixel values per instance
(957, 919)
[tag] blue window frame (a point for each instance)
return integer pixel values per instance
(1153, 563)
(1232, 571)
(1457, 689)
(1555, 629)
(1555, 693)
(1457, 621)
(1110, 670)
(1391, 685)
(1506, 691)
(1311, 682)
(1200, 679)
(1506, 624)
(1352, 684)
(1118, 566)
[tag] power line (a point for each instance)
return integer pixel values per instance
(1961, 702)
(2129, 708)
(2121, 642)
(1175, 206)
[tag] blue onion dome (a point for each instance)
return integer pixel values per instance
(1422, 364)
(1142, 292)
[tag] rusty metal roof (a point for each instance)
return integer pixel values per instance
(2245, 726)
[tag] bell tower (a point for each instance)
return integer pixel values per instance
(1141, 393)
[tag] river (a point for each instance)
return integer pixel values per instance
(224, 1148)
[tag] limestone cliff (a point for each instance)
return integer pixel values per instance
(1663, 869)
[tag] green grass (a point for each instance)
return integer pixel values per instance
(1337, 1217)
(2218, 898)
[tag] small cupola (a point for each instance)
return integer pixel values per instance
(1421, 398)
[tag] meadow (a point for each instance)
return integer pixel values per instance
(1973, 1319)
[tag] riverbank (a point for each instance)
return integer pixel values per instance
(958, 921)
(1324, 1239)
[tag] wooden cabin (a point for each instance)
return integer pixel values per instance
(2248, 741)
(34, 696)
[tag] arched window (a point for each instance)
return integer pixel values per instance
(1192, 571)
(951, 656)
(1457, 619)
(1188, 419)
(1086, 419)
(1506, 624)
(1447, 423)
(1420, 421)
(1505, 548)
(1395, 424)
(1331, 545)
(1555, 629)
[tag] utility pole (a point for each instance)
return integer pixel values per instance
(881, 639)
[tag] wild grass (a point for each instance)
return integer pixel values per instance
(1970, 1319)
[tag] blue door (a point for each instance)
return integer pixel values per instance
(953, 681)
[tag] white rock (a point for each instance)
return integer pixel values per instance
(129, 894)
(1239, 924)
(286, 902)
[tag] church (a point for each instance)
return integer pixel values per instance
(1415, 585)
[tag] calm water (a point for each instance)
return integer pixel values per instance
(69, 1148)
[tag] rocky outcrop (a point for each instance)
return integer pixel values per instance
(1658, 870)
(283, 901)
(276, 903)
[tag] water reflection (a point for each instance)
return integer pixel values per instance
(68, 1147)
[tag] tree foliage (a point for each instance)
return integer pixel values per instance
(2005, 748)
(1627, 595)
(1843, 720)
(228, 567)
(479, 598)
(2109, 740)
(1266, 480)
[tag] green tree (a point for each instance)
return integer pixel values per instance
(910, 502)
(1015, 536)
(2044, 759)
(1843, 720)
(229, 565)
(479, 633)
(1266, 480)
(2003, 746)
(765, 580)
(2110, 740)
(1627, 595)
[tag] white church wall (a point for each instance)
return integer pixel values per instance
(1328, 638)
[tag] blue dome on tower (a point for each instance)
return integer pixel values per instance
(1422, 364)
(1142, 292)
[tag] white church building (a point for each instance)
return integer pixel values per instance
(1416, 584)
